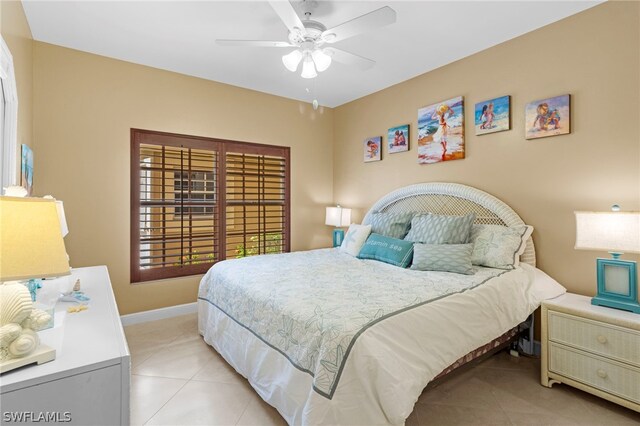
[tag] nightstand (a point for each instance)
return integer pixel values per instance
(593, 348)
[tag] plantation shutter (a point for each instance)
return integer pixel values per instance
(256, 202)
(196, 201)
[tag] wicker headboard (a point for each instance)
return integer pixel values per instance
(452, 199)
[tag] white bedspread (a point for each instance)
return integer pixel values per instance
(330, 339)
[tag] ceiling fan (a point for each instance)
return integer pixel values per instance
(310, 38)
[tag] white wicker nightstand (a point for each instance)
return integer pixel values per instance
(592, 348)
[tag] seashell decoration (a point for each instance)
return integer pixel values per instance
(16, 304)
(37, 320)
(18, 320)
(26, 343)
(9, 333)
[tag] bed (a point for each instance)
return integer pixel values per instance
(327, 338)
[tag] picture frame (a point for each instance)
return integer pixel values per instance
(372, 149)
(548, 117)
(441, 131)
(493, 115)
(617, 285)
(398, 139)
(26, 179)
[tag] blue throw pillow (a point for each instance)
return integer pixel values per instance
(389, 250)
(443, 257)
(439, 229)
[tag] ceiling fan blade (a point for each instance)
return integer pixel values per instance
(368, 22)
(287, 13)
(349, 58)
(253, 43)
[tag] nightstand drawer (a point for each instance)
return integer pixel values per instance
(610, 376)
(597, 337)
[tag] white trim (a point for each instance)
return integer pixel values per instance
(158, 314)
(9, 134)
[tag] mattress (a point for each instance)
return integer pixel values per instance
(330, 339)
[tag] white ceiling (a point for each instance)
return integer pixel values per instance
(179, 36)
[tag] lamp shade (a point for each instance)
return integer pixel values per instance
(31, 244)
(308, 68)
(610, 231)
(338, 216)
(321, 59)
(292, 60)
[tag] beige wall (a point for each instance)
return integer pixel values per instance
(85, 106)
(594, 56)
(17, 34)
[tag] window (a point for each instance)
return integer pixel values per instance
(194, 186)
(196, 201)
(8, 118)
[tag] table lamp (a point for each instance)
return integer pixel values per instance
(31, 247)
(338, 217)
(616, 232)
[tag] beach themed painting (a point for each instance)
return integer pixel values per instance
(441, 131)
(398, 139)
(548, 117)
(492, 116)
(372, 149)
(27, 169)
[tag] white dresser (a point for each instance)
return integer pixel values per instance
(593, 348)
(88, 382)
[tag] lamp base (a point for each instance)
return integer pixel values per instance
(617, 285)
(42, 354)
(617, 304)
(338, 236)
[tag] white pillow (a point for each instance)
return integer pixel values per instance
(498, 246)
(545, 287)
(355, 239)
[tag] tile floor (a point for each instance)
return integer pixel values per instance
(177, 379)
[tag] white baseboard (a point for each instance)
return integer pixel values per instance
(157, 314)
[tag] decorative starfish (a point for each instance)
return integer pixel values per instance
(349, 238)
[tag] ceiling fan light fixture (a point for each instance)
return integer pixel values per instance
(292, 60)
(308, 36)
(321, 59)
(308, 68)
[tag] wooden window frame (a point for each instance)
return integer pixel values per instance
(222, 147)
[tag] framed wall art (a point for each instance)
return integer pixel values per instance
(548, 117)
(398, 139)
(441, 131)
(492, 115)
(27, 169)
(372, 149)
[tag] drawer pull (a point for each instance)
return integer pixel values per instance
(601, 373)
(602, 339)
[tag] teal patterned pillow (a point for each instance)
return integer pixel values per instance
(389, 250)
(394, 225)
(438, 229)
(443, 257)
(498, 246)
